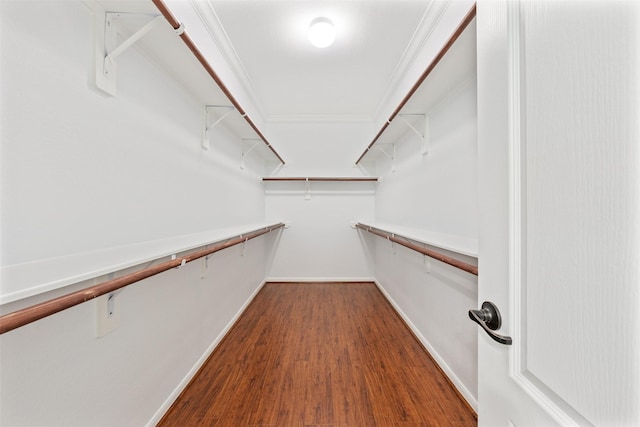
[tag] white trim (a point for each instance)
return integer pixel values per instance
(319, 118)
(419, 39)
(212, 23)
(432, 351)
(518, 225)
(320, 193)
(194, 370)
(319, 279)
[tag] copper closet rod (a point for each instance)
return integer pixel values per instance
(11, 321)
(164, 10)
(465, 22)
(469, 268)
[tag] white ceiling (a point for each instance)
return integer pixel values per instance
(266, 44)
(262, 46)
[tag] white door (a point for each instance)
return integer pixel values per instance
(559, 180)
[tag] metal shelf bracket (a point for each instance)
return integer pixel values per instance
(307, 190)
(245, 152)
(422, 134)
(391, 156)
(107, 49)
(206, 127)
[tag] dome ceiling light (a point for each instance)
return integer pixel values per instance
(321, 32)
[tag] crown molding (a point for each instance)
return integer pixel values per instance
(429, 22)
(211, 21)
(430, 19)
(301, 118)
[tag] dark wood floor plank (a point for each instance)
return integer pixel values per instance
(320, 354)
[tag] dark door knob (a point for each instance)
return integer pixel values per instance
(489, 319)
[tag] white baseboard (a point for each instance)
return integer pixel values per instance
(439, 360)
(319, 279)
(194, 370)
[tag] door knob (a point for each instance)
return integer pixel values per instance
(489, 319)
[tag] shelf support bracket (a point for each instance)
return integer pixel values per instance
(206, 127)
(391, 156)
(245, 152)
(307, 189)
(424, 134)
(107, 50)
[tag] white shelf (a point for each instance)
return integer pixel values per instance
(28, 279)
(454, 71)
(167, 50)
(459, 244)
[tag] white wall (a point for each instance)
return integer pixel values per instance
(81, 172)
(319, 245)
(435, 193)
(56, 372)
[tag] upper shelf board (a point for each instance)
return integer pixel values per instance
(455, 70)
(163, 46)
(20, 281)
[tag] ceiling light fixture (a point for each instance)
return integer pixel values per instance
(321, 32)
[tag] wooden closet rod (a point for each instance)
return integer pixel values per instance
(11, 321)
(465, 22)
(164, 10)
(469, 268)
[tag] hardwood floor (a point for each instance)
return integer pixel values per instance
(319, 354)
